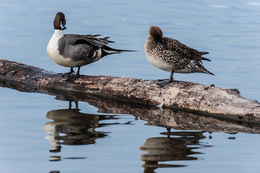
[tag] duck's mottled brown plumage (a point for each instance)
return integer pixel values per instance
(171, 55)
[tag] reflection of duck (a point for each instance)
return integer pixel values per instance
(170, 149)
(79, 128)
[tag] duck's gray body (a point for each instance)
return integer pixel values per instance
(80, 52)
(170, 55)
(73, 50)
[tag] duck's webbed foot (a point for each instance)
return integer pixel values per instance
(163, 82)
(71, 77)
(71, 70)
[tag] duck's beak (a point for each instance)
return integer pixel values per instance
(63, 23)
(64, 27)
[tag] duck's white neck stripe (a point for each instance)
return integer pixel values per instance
(58, 31)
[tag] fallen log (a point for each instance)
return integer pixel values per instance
(177, 119)
(191, 97)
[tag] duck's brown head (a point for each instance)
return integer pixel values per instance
(156, 33)
(59, 20)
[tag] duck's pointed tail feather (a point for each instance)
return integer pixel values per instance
(206, 59)
(112, 50)
(203, 53)
(208, 72)
(204, 70)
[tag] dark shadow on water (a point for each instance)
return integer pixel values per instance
(179, 146)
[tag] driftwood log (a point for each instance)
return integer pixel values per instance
(173, 118)
(192, 97)
(177, 119)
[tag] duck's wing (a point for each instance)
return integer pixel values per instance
(173, 58)
(92, 40)
(95, 41)
(188, 52)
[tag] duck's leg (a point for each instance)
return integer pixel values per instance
(171, 76)
(77, 105)
(70, 104)
(162, 83)
(71, 78)
(77, 74)
(71, 70)
(69, 73)
(168, 132)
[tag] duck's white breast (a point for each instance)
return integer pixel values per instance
(155, 61)
(53, 51)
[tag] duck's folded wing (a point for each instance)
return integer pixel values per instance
(186, 51)
(94, 40)
(173, 58)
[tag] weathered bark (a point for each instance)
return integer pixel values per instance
(207, 100)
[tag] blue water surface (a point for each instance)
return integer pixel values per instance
(229, 30)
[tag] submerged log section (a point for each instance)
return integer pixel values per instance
(209, 100)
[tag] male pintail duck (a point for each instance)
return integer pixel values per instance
(171, 55)
(73, 50)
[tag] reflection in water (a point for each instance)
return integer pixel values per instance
(80, 129)
(177, 146)
(71, 127)
(54, 171)
(177, 119)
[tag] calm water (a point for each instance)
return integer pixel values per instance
(39, 133)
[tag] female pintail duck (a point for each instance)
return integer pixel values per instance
(170, 55)
(73, 50)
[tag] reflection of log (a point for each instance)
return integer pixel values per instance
(185, 95)
(176, 119)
